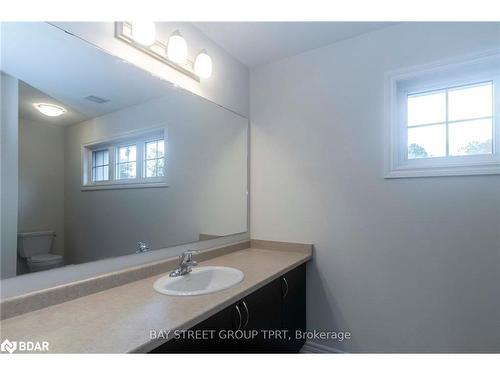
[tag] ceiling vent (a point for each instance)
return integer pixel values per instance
(96, 99)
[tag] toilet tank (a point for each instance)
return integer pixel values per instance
(34, 243)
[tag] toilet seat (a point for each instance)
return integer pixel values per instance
(45, 258)
(43, 262)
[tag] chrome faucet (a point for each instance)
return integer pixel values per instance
(186, 262)
(142, 247)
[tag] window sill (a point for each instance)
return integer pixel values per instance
(411, 170)
(145, 185)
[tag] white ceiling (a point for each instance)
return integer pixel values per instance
(257, 43)
(28, 95)
(64, 70)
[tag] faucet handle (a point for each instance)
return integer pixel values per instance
(142, 247)
(190, 253)
(187, 257)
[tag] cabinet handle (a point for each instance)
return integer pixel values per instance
(248, 314)
(239, 316)
(285, 282)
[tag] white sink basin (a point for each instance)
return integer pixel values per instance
(201, 280)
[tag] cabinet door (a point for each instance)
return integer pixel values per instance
(228, 319)
(293, 286)
(262, 314)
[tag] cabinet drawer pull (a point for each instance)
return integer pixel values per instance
(248, 314)
(239, 316)
(285, 282)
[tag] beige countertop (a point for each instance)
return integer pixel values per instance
(119, 320)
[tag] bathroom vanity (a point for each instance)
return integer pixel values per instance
(265, 321)
(116, 314)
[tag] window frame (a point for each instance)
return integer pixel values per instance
(434, 77)
(112, 144)
(91, 160)
(128, 143)
(145, 159)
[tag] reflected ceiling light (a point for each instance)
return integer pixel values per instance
(144, 32)
(51, 110)
(203, 64)
(177, 48)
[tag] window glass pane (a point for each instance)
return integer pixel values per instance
(131, 170)
(100, 175)
(100, 165)
(126, 154)
(151, 168)
(160, 169)
(126, 162)
(126, 170)
(132, 155)
(426, 108)
(154, 158)
(470, 102)
(427, 141)
(99, 158)
(151, 150)
(471, 137)
(122, 155)
(161, 151)
(122, 171)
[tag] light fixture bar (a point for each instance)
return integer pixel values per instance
(123, 33)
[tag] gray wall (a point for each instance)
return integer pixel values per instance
(409, 265)
(207, 176)
(41, 179)
(9, 159)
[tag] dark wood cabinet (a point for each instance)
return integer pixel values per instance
(265, 321)
(228, 319)
(262, 313)
(293, 308)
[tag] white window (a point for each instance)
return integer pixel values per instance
(131, 160)
(126, 165)
(100, 165)
(443, 119)
(155, 159)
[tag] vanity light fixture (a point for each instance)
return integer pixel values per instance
(51, 110)
(177, 48)
(174, 53)
(143, 32)
(203, 64)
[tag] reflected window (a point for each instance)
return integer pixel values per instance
(132, 160)
(452, 121)
(126, 166)
(100, 165)
(154, 158)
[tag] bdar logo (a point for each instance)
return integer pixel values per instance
(8, 346)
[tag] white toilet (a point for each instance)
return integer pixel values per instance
(35, 247)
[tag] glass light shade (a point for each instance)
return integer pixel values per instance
(50, 109)
(203, 65)
(177, 48)
(144, 32)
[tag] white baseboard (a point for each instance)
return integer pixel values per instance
(313, 347)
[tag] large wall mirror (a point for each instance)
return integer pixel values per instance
(99, 156)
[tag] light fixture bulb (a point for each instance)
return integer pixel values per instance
(177, 48)
(51, 110)
(144, 32)
(203, 65)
